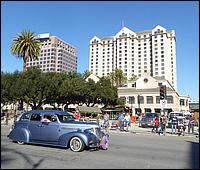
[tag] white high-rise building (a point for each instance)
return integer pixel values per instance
(150, 52)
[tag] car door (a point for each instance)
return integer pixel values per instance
(35, 126)
(50, 130)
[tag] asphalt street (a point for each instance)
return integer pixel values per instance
(127, 150)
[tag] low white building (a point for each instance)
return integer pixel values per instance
(143, 95)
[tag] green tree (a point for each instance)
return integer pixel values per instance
(86, 74)
(6, 86)
(90, 93)
(34, 87)
(117, 77)
(107, 93)
(25, 46)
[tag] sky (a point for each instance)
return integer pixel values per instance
(77, 22)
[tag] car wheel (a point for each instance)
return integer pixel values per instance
(76, 144)
(20, 142)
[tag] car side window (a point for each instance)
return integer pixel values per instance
(51, 118)
(25, 116)
(35, 117)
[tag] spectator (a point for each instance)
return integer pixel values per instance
(140, 119)
(98, 118)
(7, 117)
(77, 115)
(161, 131)
(164, 124)
(106, 120)
(121, 121)
(156, 124)
(174, 124)
(186, 123)
(127, 121)
(191, 124)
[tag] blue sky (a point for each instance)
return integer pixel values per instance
(76, 22)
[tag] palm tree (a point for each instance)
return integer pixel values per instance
(26, 46)
(117, 77)
(111, 76)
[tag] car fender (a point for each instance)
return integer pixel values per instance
(65, 138)
(20, 134)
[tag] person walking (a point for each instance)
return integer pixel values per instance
(156, 124)
(174, 124)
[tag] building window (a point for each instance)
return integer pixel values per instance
(149, 99)
(131, 100)
(182, 102)
(169, 99)
(157, 99)
(140, 99)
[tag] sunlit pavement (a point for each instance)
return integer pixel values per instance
(135, 129)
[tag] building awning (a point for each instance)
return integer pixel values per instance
(85, 109)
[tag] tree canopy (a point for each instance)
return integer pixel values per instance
(37, 88)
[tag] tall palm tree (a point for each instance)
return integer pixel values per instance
(117, 77)
(111, 76)
(26, 46)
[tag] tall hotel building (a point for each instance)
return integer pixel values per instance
(136, 53)
(55, 55)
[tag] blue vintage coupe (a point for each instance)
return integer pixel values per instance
(57, 128)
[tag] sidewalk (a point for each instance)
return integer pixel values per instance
(10, 122)
(148, 130)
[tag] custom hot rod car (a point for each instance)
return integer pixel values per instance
(57, 128)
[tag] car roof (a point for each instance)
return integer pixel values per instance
(49, 112)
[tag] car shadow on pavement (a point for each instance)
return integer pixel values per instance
(194, 155)
(6, 159)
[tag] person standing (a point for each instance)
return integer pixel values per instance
(186, 123)
(161, 131)
(98, 118)
(128, 121)
(191, 124)
(106, 120)
(121, 121)
(140, 119)
(77, 115)
(174, 124)
(156, 124)
(164, 124)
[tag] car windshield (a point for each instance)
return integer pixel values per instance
(66, 118)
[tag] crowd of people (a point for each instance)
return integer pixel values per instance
(178, 125)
